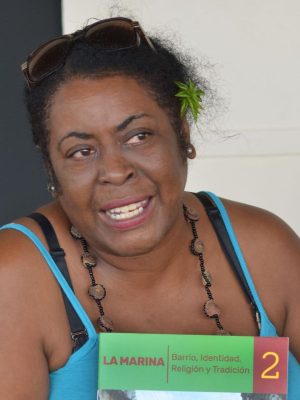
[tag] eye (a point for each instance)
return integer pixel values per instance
(139, 137)
(82, 154)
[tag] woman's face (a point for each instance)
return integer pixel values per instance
(117, 161)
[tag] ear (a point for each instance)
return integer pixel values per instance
(185, 130)
(53, 185)
(190, 150)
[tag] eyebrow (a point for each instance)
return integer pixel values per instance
(87, 136)
(79, 135)
(128, 120)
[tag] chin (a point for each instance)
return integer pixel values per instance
(132, 249)
(131, 244)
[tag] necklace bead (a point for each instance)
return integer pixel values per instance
(97, 291)
(75, 233)
(211, 309)
(206, 278)
(197, 246)
(88, 261)
(191, 214)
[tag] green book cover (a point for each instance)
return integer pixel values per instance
(171, 367)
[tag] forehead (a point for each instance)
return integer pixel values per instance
(105, 100)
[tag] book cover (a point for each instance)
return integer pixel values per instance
(171, 367)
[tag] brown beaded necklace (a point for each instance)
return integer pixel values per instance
(210, 308)
(98, 291)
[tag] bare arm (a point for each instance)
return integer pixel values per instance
(272, 252)
(290, 264)
(23, 363)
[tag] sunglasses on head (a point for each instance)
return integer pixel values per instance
(110, 35)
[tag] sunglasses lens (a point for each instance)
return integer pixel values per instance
(48, 58)
(115, 34)
(111, 34)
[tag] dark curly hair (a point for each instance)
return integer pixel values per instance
(156, 71)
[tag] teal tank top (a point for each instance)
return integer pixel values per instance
(77, 379)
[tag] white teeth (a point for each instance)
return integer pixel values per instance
(128, 211)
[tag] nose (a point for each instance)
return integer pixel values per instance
(115, 168)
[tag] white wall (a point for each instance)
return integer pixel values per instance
(255, 48)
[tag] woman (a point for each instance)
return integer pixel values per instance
(141, 253)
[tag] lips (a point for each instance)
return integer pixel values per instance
(128, 211)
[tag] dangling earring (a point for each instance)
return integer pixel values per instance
(52, 189)
(190, 151)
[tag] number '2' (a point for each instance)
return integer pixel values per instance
(266, 373)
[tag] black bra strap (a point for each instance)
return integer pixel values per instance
(78, 331)
(217, 222)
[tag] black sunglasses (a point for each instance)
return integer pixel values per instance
(110, 35)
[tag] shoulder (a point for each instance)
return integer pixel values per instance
(19, 256)
(266, 240)
(15, 244)
(260, 228)
(16, 249)
(23, 271)
(257, 228)
(272, 253)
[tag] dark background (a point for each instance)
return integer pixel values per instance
(24, 26)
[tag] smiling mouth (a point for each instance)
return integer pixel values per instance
(128, 211)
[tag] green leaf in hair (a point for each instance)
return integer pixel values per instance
(191, 98)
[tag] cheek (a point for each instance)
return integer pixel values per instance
(175, 176)
(167, 168)
(169, 159)
(75, 184)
